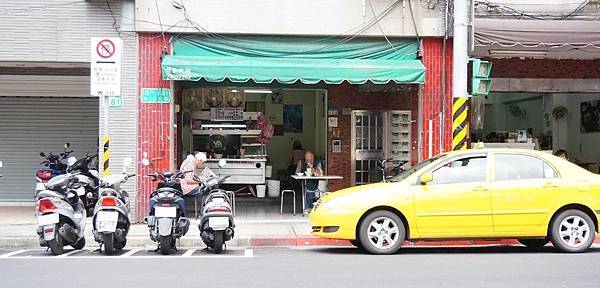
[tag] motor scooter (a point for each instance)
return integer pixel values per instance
(111, 214)
(89, 178)
(216, 220)
(53, 165)
(60, 214)
(167, 221)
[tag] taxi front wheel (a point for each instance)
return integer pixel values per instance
(382, 232)
(572, 231)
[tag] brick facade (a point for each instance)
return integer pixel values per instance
(347, 96)
(154, 133)
(545, 68)
(432, 95)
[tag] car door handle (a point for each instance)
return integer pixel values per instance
(550, 185)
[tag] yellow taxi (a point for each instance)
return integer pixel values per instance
(531, 196)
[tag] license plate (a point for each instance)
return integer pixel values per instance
(40, 186)
(218, 222)
(47, 219)
(81, 191)
(106, 221)
(49, 231)
(170, 212)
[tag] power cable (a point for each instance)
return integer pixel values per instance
(381, 28)
(160, 22)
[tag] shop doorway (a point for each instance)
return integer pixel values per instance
(222, 120)
(379, 135)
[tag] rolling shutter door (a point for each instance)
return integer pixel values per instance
(30, 125)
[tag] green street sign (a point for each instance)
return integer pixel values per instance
(115, 102)
(156, 95)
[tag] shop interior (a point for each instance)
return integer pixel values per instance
(542, 121)
(254, 129)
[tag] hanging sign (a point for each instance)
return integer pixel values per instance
(105, 67)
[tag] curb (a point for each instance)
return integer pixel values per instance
(267, 241)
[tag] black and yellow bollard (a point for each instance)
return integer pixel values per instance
(106, 156)
(460, 123)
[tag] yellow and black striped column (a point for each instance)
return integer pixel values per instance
(460, 123)
(106, 156)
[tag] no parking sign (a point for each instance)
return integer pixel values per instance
(105, 73)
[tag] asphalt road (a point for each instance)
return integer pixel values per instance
(311, 267)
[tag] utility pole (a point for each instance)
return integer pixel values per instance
(460, 60)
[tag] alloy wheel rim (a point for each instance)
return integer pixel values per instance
(574, 231)
(383, 233)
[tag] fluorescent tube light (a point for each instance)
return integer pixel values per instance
(253, 91)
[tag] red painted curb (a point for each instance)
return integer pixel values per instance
(270, 241)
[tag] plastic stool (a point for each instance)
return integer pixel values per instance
(282, 196)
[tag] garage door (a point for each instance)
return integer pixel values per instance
(29, 125)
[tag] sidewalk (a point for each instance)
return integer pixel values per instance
(18, 225)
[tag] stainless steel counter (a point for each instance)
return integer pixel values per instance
(242, 171)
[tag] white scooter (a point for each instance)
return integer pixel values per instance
(61, 214)
(216, 223)
(111, 214)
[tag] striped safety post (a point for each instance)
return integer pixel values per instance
(460, 123)
(106, 156)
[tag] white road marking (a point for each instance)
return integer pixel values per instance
(131, 252)
(12, 253)
(248, 253)
(67, 253)
(188, 253)
(272, 221)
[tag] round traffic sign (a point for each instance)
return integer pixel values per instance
(105, 48)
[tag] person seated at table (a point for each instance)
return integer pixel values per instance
(296, 155)
(310, 167)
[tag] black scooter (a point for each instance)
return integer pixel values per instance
(167, 221)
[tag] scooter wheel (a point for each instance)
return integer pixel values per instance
(218, 243)
(56, 244)
(79, 244)
(165, 244)
(109, 243)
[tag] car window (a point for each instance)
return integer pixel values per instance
(463, 170)
(520, 167)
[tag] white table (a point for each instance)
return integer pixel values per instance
(304, 178)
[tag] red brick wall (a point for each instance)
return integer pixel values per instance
(432, 96)
(153, 120)
(545, 68)
(346, 96)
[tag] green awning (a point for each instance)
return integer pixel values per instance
(289, 59)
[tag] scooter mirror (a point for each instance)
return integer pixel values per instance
(127, 161)
(71, 161)
(222, 163)
(42, 154)
(67, 145)
(145, 162)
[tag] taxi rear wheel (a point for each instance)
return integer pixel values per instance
(382, 233)
(572, 231)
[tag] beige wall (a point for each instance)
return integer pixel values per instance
(291, 17)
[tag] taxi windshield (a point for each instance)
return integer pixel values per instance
(404, 174)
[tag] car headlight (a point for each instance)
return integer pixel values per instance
(338, 204)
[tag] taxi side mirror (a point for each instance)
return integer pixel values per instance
(426, 178)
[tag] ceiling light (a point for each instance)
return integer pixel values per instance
(252, 91)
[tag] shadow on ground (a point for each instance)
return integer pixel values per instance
(451, 250)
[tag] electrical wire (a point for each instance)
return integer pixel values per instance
(162, 32)
(381, 28)
(231, 41)
(521, 13)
